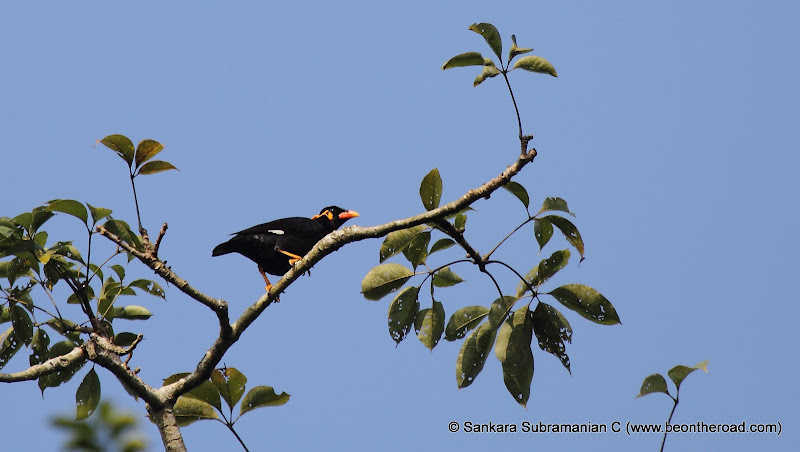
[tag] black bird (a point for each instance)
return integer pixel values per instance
(276, 246)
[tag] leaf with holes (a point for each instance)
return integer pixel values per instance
(430, 190)
(88, 396)
(473, 354)
(587, 302)
(653, 383)
(464, 320)
(491, 35)
(402, 312)
(513, 350)
(262, 396)
(569, 230)
(417, 251)
(230, 383)
(500, 309)
(552, 331)
(543, 230)
(384, 279)
(429, 325)
(544, 271)
(396, 241)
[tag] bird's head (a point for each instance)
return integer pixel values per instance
(333, 217)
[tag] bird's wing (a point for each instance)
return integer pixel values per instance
(296, 226)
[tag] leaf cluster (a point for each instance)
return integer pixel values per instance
(227, 384)
(490, 68)
(497, 325)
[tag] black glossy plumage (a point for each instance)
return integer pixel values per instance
(267, 244)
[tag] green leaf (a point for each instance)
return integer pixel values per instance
(543, 230)
(146, 150)
(206, 392)
(500, 309)
(119, 270)
(125, 339)
(402, 312)
(9, 346)
(38, 217)
(464, 320)
(417, 251)
(535, 64)
(519, 191)
(441, 244)
(464, 59)
(516, 50)
(384, 279)
(149, 286)
(131, 312)
(188, 410)
(262, 396)
(429, 325)
(122, 145)
(396, 241)
(156, 166)
(70, 207)
(555, 204)
(88, 396)
(679, 373)
(460, 222)
(569, 230)
(23, 327)
(488, 72)
(122, 230)
(544, 271)
(587, 302)
(230, 383)
(430, 190)
(39, 346)
(491, 35)
(513, 350)
(653, 383)
(98, 213)
(446, 278)
(473, 354)
(63, 375)
(552, 330)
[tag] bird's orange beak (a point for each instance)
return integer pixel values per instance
(348, 214)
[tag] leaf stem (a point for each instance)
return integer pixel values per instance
(230, 427)
(488, 255)
(669, 420)
(516, 109)
(136, 202)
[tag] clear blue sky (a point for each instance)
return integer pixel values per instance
(671, 131)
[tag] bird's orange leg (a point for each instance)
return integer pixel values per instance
(293, 258)
(266, 280)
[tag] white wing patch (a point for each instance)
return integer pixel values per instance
(276, 231)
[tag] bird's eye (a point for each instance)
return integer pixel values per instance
(329, 214)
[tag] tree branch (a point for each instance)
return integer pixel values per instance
(52, 365)
(229, 334)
